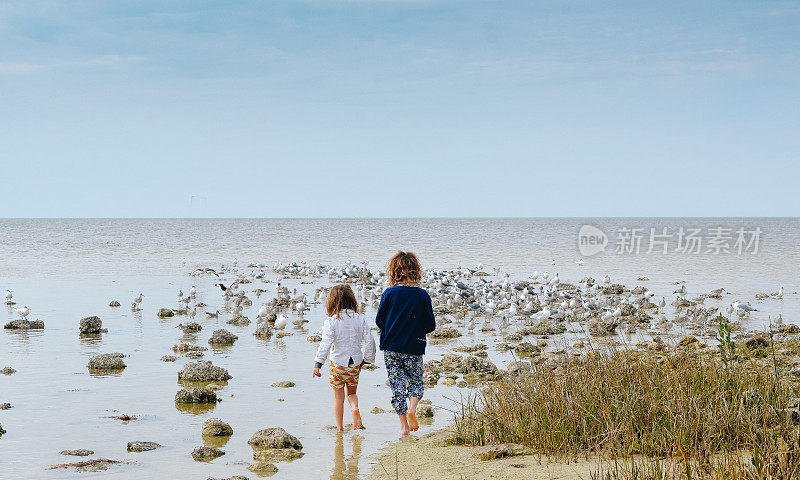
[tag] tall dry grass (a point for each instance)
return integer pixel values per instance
(693, 409)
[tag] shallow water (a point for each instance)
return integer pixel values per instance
(68, 269)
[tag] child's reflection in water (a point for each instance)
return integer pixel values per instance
(346, 469)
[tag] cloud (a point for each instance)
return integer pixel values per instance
(28, 68)
(8, 68)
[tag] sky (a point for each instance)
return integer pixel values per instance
(399, 108)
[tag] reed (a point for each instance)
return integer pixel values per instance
(693, 410)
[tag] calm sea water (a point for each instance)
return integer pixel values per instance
(68, 269)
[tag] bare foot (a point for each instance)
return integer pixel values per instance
(357, 424)
(413, 425)
(404, 431)
(339, 429)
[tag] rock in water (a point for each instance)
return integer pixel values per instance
(445, 332)
(7, 371)
(142, 446)
(2, 431)
(107, 362)
(165, 312)
(190, 327)
(206, 454)
(284, 384)
(196, 395)
(274, 438)
(424, 411)
(5, 406)
(91, 324)
(169, 358)
(203, 372)
(263, 469)
(24, 325)
(113, 303)
(222, 337)
(263, 330)
(78, 453)
(214, 427)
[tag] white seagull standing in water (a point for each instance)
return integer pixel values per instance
(9, 296)
(23, 312)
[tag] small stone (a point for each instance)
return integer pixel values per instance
(276, 454)
(165, 312)
(263, 330)
(492, 452)
(206, 454)
(7, 371)
(377, 410)
(263, 469)
(196, 395)
(757, 342)
(190, 327)
(445, 332)
(169, 358)
(78, 453)
(314, 338)
(5, 406)
(142, 446)
(214, 427)
(187, 347)
(239, 321)
(284, 384)
(24, 325)
(113, 303)
(203, 372)
(222, 337)
(2, 431)
(90, 325)
(275, 438)
(107, 362)
(424, 411)
(688, 340)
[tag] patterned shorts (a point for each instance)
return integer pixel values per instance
(341, 376)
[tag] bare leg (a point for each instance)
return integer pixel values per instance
(404, 429)
(412, 414)
(338, 408)
(353, 399)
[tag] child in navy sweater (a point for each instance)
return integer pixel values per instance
(405, 317)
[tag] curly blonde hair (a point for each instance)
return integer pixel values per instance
(404, 269)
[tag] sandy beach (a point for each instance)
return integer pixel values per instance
(430, 458)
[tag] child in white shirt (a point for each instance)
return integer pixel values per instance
(343, 334)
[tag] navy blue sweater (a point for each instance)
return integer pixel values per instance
(405, 316)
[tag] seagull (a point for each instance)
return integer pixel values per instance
(471, 324)
(300, 306)
(280, 322)
(213, 315)
(737, 305)
(138, 299)
(23, 312)
(9, 296)
(778, 294)
(579, 262)
(192, 291)
(553, 262)
(606, 279)
(681, 291)
(779, 320)
(262, 312)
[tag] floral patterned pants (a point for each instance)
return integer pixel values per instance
(405, 378)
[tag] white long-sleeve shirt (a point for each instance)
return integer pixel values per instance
(343, 338)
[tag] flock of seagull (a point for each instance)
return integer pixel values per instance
(464, 293)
